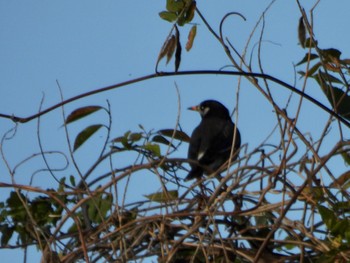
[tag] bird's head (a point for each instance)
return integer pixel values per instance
(211, 108)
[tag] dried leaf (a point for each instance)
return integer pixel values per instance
(341, 181)
(170, 48)
(345, 61)
(178, 50)
(330, 54)
(302, 32)
(81, 112)
(167, 49)
(191, 36)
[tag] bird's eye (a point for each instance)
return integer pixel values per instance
(204, 110)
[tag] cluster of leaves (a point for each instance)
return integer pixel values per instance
(179, 12)
(329, 70)
(33, 220)
(232, 217)
(30, 219)
(338, 228)
(151, 141)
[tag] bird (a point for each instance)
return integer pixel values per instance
(211, 141)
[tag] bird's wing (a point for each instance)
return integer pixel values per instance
(213, 138)
(195, 144)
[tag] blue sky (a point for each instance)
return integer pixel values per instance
(86, 45)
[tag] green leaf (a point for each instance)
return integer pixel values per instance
(84, 135)
(307, 57)
(289, 246)
(189, 14)
(313, 69)
(61, 185)
(162, 140)
(135, 136)
(302, 73)
(6, 234)
(174, 5)
(81, 112)
(16, 208)
(161, 197)
(310, 43)
(339, 100)
(98, 206)
(176, 134)
(72, 180)
(106, 204)
(41, 209)
(153, 148)
(129, 138)
(126, 216)
(325, 77)
(340, 227)
(347, 235)
(330, 54)
(168, 16)
(124, 140)
(342, 206)
(328, 216)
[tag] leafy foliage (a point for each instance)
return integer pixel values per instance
(246, 213)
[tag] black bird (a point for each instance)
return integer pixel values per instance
(211, 141)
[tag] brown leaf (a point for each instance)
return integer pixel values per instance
(341, 181)
(178, 50)
(81, 112)
(170, 48)
(191, 36)
(302, 32)
(165, 48)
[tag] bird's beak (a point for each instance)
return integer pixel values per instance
(195, 108)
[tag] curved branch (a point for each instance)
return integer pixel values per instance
(223, 20)
(168, 74)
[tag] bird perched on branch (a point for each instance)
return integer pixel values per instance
(212, 140)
